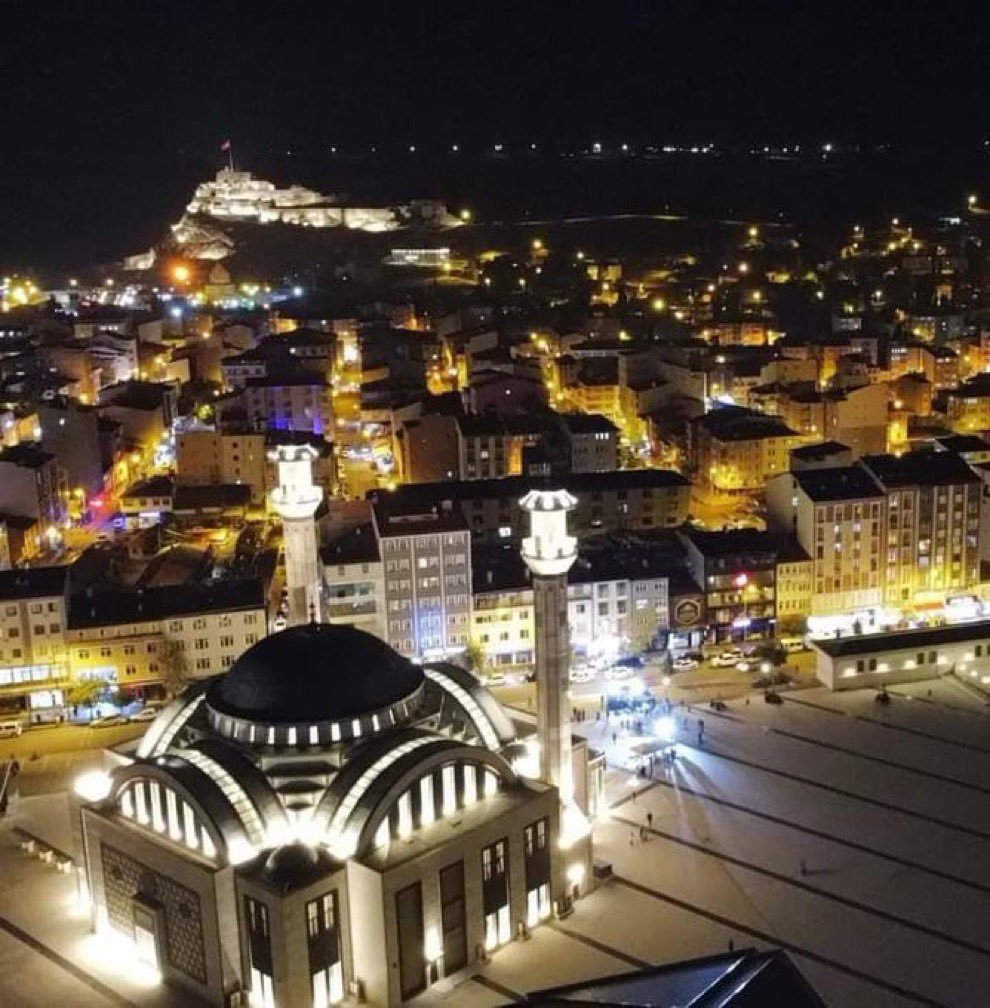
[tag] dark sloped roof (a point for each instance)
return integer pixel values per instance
(821, 450)
(315, 672)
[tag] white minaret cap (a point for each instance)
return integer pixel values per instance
(296, 495)
(548, 549)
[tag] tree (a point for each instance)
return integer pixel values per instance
(173, 663)
(474, 654)
(85, 692)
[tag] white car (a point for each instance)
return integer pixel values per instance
(496, 679)
(727, 659)
(581, 675)
(683, 664)
(145, 714)
(108, 721)
(619, 672)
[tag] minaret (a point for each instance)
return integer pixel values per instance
(296, 499)
(549, 553)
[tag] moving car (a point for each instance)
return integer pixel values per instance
(146, 714)
(726, 659)
(581, 675)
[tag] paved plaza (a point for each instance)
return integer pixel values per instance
(855, 836)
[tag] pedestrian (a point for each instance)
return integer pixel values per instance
(804, 867)
(615, 737)
(642, 834)
(632, 838)
(649, 819)
(701, 727)
(732, 945)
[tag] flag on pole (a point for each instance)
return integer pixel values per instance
(225, 146)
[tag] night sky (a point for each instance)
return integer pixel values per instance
(111, 110)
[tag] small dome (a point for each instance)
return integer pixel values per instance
(294, 866)
(314, 672)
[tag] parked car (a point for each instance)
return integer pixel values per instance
(581, 675)
(496, 679)
(793, 644)
(619, 672)
(683, 664)
(146, 714)
(726, 659)
(108, 721)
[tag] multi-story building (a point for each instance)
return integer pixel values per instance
(836, 516)
(426, 556)
(33, 617)
(429, 448)
(633, 499)
(210, 457)
(733, 448)
(301, 401)
(32, 485)
(490, 447)
(617, 599)
(968, 406)
(354, 577)
(795, 576)
(737, 572)
(933, 503)
(592, 442)
(163, 636)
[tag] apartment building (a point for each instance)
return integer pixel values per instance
(734, 448)
(592, 442)
(354, 577)
(32, 485)
(737, 572)
(627, 499)
(968, 406)
(426, 556)
(301, 401)
(490, 446)
(933, 503)
(210, 457)
(836, 515)
(163, 635)
(617, 599)
(33, 662)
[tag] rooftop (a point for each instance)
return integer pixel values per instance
(920, 467)
(863, 644)
(25, 455)
(822, 450)
(104, 607)
(736, 423)
(731, 542)
(420, 496)
(356, 545)
(588, 423)
(841, 483)
(33, 582)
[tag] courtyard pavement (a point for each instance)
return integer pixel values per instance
(853, 835)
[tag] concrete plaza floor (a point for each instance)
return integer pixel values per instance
(856, 836)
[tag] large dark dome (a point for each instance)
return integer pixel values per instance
(315, 672)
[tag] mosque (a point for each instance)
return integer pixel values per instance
(328, 820)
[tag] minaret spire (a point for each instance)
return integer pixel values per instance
(296, 499)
